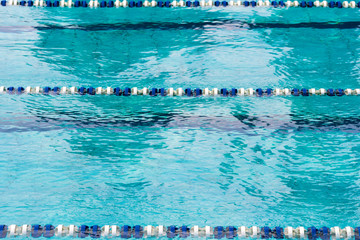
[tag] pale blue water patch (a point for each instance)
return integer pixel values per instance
(152, 160)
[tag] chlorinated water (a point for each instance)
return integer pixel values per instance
(203, 161)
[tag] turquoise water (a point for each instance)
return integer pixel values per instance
(204, 161)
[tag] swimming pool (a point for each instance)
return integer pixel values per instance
(217, 161)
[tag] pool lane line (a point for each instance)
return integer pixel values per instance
(181, 3)
(190, 92)
(138, 231)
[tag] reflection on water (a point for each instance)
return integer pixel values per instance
(145, 160)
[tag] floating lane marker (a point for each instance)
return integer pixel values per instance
(181, 3)
(189, 92)
(218, 232)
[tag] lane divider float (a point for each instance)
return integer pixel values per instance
(190, 92)
(181, 3)
(218, 232)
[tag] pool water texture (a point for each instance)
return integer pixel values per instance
(206, 161)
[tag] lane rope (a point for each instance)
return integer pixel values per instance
(190, 92)
(181, 3)
(218, 232)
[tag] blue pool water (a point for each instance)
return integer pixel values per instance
(204, 161)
